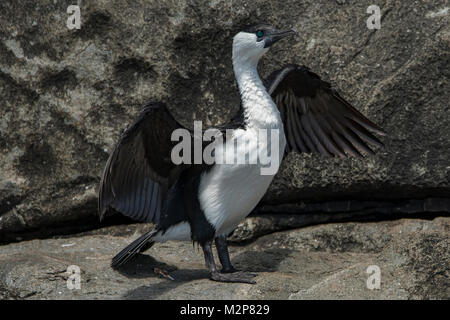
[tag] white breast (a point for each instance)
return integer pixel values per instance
(229, 192)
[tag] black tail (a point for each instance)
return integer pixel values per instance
(135, 247)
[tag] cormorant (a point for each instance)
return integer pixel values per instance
(203, 202)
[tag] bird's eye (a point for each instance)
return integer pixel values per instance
(259, 33)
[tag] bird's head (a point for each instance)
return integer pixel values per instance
(253, 41)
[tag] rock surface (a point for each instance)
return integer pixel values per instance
(318, 262)
(68, 94)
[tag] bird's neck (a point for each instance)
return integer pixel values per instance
(259, 109)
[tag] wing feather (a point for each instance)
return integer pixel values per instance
(139, 169)
(317, 118)
(293, 134)
(304, 135)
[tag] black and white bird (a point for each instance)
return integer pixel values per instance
(204, 203)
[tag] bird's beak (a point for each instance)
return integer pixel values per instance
(276, 35)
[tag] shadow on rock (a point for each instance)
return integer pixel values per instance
(261, 261)
(154, 291)
(142, 266)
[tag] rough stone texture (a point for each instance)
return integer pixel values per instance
(319, 262)
(268, 219)
(66, 95)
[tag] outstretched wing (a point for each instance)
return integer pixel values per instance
(316, 118)
(139, 171)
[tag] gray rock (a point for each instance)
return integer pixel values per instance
(319, 262)
(268, 219)
(68, 94)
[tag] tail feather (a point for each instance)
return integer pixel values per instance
(135, 247)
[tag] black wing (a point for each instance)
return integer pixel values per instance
(316, 118)
(139, 171)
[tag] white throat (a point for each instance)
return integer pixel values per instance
(259, 109)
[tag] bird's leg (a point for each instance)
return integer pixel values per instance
(224, 256)
(223, 277)
(209, 257)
